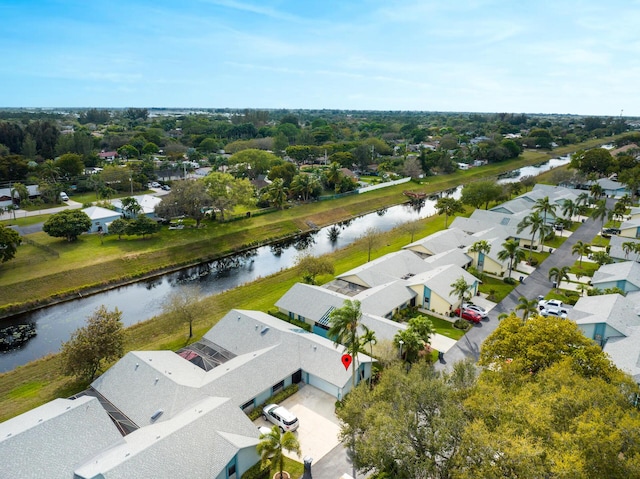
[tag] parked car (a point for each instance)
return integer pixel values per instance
(478, 309)
(166, 187)
(281, 417)
(64, 196)
(552, 303)
(155, 184)
(264, 430)
(555, 312)
(611, 231)
(469, 315)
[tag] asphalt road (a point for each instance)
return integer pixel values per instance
(468, 347)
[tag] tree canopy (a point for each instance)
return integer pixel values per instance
(67, 224)
(99, 342)
(9, 242)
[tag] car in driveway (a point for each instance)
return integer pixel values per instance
(552, 303)
(468, 315)
(281, 417)
(611, 231)
(554, 312)
(478, 309)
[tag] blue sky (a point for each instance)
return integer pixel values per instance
(532, 56)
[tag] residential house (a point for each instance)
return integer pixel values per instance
(630, 228)
(624, 275)
(6, 200)
(147, 204)
(620, 253)
(100, 218)
(611, 188)
(152, 407)
(605, 316)
(440, 242)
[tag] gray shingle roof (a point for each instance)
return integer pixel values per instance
(310, 301)
(625, 354)
(441, 241)
(625, 270)
(440, 279)
(615, 310)
(51, 440)
(387, 268)
(617, 252)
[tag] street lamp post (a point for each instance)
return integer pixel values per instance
(401, 342)
(131, 183)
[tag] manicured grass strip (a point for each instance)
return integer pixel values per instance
(444, 327)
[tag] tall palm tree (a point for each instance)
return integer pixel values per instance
(569, 209)
(535, 222)
(596, 190)
(545, 206)
(272, 446)
(343, 330)
(368, 337)
(581, 248)
(511, 251)
(600, 212)
(448, 206)
(333, 174)
(619, 210)
(462, 290)
(558, 274)
(527, 306)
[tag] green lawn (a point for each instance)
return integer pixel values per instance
(444, 327)
(496, 288)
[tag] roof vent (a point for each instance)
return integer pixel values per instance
(156, 414)
(265, 330)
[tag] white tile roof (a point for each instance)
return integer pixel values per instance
(99, 213)
(440, 280)
(441, 241)
(625, 353)
(616, 250)
(312, 302)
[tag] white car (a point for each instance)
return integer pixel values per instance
(281, 417)
(554, 312)
(552, 303)
(478, 309)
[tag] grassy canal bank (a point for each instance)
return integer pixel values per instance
(90, 262)
(47, 270)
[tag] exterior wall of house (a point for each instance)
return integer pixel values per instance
(440, 305)
(630, 233)
(625, 286)
(321, 384)
(492, 267)
(243, 460)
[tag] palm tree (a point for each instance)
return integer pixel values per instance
(619, 210)
(627, 247)
(570, 209)
(545, 206)
(49, 171)
(277, 193)
(368, 337)
(558, 274)
(18, 193)
(480, 247)
(333, 174)
(343, 330)
(527, 306)
(535, 222)
(131, 207)
(448, 206)
(600, 212)
(596, 190)
(511, 251)
(582, 199)
(272, 446)
(462, 290)
(581, 248)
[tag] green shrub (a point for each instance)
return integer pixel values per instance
(533, 262)
(509, 280)
(461, 324)
(276, 398)
(256, 472)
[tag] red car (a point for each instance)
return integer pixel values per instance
(469, 315)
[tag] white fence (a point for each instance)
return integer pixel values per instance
(384, 185)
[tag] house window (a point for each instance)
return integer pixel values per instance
(277, 387)
(231, 471)
(247, 405)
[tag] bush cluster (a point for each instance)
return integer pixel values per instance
(256, 472)
(276, 398)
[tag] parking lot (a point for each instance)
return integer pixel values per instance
(319, 427)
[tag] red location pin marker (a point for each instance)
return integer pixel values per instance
(346, 360)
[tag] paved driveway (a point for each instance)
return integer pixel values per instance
(319, 426)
